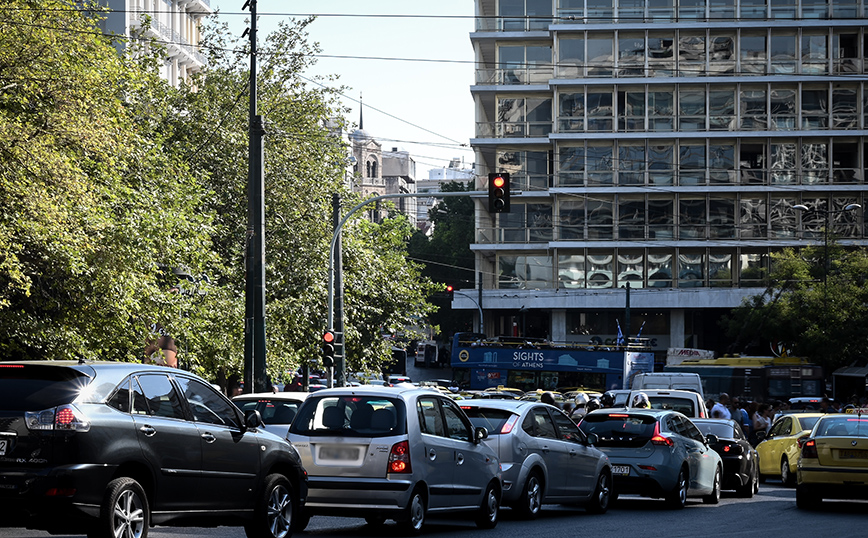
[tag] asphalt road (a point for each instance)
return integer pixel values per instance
(770, 514)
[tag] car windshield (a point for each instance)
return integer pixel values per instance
(842, 426)
(807, 423)
(682, 405)
(720, 429)
(31, 387)
(273, 411)
(351, 416)
(619, 429)
(490, 419)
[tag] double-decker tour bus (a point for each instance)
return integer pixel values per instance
(479, 362)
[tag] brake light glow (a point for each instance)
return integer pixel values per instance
(618, 415)
(647, 467)
(509, 424)
(64, 417)
(60, 492)
(399, 458)
(660, 439)
(809, 449)
(11, 366)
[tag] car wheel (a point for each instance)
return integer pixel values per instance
(530, 502)
(677, 498)
(486, 517)
(124, 511)
(273, 511)
(807, 499)
(602, 495)
(714, 496)
(414, 518)
(788, 479)
(746, 491)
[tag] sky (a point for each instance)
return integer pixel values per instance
(417, 104)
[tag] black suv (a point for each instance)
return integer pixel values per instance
(109, 449)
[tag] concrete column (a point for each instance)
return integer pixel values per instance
(676, 327)
(559, 325)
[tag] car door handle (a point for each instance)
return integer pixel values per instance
(432, 454)
(148, 430)
(208, 437)
(573, 453)
(459, 459)
(545, 449)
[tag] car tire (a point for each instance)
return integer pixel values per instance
(788, 479)
(489, 510)
(124, 511)
(414, 514)
(677, 498)
(746, 491)
(274, 510)
(806, 499)
(530, 502)
(602, 495)
(714, 496)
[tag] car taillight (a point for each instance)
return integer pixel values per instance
(809, 449)
(399, 458)
(509, 424)
(63, 417)
(732, 450)
(660, 439)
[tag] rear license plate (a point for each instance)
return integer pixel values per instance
(622, 470)
(339, 453)
(4, 445)
(852, 454)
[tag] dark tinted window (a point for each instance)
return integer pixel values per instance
(375, 416)
(490, 419)
(456, 423)
(33, 388)
(724, 430)
(207, 405)
(567, 429)
(682, 405)
(160, 396)
(619, 429)
(120, 400)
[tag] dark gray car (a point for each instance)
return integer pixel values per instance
(109, 449)
(544, 456)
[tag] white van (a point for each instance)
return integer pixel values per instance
(686, 402)
(668, 380)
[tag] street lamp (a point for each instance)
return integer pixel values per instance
(826, 213)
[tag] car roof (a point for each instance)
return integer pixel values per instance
(272, 396)
(674, 392)
(376, 390)
(657, 413)
(495, 403)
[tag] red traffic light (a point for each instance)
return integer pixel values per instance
(449, 289)
(328, 337)
(499, 182)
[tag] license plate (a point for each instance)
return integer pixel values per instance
(339, 453)
(4, 445)
(622, 470)
(852, 454)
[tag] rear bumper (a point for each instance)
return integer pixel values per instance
(43, 498)
(357, 497)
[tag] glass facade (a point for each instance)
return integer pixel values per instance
(655, 148)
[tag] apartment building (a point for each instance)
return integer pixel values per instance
(660, 145)
(174, 24)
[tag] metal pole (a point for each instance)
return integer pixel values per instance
(479, 304)
(254, 326)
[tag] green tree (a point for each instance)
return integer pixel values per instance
(823, 317)
(93, 207)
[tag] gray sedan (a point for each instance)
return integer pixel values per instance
(544, 456)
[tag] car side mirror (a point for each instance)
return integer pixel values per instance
(253, 419)
(711, 439)
(760, 435)
(593, 438)
(480, 434)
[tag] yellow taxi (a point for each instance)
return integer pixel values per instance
(779, 450)
(834, 460)
(518, 393)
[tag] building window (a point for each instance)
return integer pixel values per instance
(524, 272)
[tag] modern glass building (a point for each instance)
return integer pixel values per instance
(660, 145)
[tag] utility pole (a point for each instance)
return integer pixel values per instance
(254, 311)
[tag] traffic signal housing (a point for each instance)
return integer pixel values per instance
(498, 192)
(328, 348)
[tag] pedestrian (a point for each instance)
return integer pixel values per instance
(548, 398)
(761, 422)
(739, 414)
(720, 409)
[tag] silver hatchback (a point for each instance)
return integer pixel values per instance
(393, 453)
(544, 456)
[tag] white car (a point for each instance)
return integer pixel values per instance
(686, 402)
(276, 408)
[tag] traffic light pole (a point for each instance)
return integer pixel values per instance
(340, 374)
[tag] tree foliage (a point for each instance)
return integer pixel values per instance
(818, 315)
(112, 182)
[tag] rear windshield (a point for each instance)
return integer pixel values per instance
(37, 387)
(682, 405)
(351, 416)
(843, 426)
(273, 411)
(721, 429)
(619, 429)
(490, 419)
